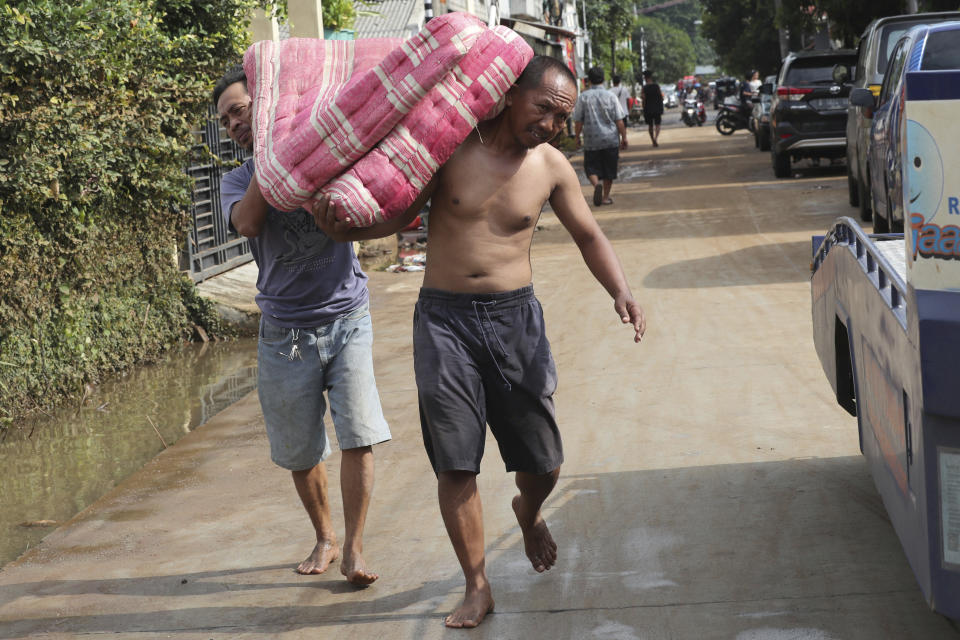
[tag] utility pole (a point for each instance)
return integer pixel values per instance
(912, 6)
(643, 52)
(427, 10)
(586, 37)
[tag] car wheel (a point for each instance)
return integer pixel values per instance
(781, 164)
(863, 201)
(725, 126)
(853, 189)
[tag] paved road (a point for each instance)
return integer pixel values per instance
(712, 488)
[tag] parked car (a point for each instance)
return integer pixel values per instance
(914, 62)
(808, 115)
(760, 118)
(873, 53)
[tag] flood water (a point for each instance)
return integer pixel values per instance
(55, 466)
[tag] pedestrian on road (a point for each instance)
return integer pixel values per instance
(622, 93)
(480, 352)
(599, 116)
(315, 335)
(651, 97)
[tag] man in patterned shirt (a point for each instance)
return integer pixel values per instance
(599, 117)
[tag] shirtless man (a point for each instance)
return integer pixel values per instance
(480, 352)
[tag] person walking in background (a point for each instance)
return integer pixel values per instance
(315, 336)
(622, 93)
(599, 117)
(651, 96)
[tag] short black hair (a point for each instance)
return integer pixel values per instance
(233, 75)
(616, 78)
(533, 73)
(595, 75)
(647, 73)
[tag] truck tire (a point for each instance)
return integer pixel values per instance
(853, 189)
(781, 164)
(863, 201)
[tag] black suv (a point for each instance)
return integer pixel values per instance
(808, 117)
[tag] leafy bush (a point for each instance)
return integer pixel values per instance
(97, 99)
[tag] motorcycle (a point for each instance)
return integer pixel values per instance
(694, 113)
(732, 118)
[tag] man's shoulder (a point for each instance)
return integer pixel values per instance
(551, 161)
(240, 175)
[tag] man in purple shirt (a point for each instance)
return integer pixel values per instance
(315, 336)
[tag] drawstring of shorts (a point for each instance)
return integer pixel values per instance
(477, 305)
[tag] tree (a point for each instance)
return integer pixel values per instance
(846, 18)
(609, 22)
(743, 35)
(668, 50)
(685, 16)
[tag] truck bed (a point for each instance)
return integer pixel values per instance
(894, 252)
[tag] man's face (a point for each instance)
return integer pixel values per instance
(233, 108)
(538, 114)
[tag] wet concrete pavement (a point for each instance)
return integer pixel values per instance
(712, 488)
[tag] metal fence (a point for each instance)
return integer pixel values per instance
(212, 247)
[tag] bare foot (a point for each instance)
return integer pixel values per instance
(476, 605)
(353, 567)
(318, 561)
(537, 541)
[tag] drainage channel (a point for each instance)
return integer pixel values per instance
(55, 465)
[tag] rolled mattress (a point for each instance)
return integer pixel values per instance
(371, 121)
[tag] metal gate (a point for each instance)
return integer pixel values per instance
(212, 247)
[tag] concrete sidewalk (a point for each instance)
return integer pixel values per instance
(712, 488)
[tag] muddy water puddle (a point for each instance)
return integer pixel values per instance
(55, 466)
(636, 170)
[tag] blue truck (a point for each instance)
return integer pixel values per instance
(886, 323)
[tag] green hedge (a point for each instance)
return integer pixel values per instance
(97, 99)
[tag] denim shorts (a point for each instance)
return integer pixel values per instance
(295, 367)
(484, 359)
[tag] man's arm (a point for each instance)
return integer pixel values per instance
(598, 254)
(577, 129)
(325, 215)
(248, 215)
(622, 128)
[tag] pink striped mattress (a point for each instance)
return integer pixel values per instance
(371, 121)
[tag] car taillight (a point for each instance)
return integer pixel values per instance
(792, 93)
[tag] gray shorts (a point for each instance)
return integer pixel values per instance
(484, 359)
(295, 367)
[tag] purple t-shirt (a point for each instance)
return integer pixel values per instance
(306, 279)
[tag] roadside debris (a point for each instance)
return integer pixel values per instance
(411, 262)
